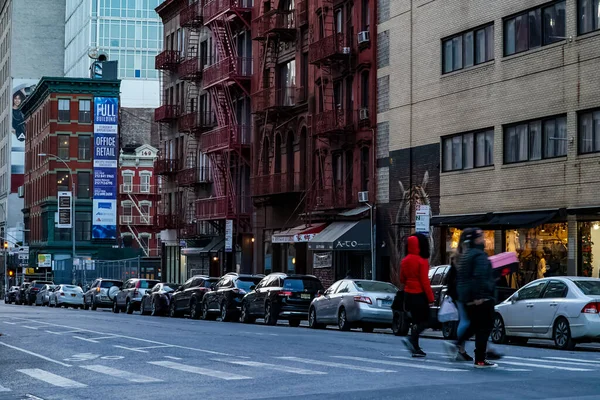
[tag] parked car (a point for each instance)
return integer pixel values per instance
(43, 296)
(562, 309)
(188, 298)
(67, 296)
(11, 295)
(350, 303)
(99, 296)
(33, 289)
(280, 296)
(129, 297)
(21, 293)
(225, 298)
(156, 301)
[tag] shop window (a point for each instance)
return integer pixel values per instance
(268, 256)
(589, 132)
(531, 29)
(589, 246)
(588, 15)
(535, 140)
(468, 150)
(453, 235)
(468, 48)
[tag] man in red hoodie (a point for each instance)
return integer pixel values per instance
(414, 270)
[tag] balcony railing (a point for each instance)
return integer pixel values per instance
(166, 113)
(190, 69)
(136, 220)
(328, 198)
(334, 121)
(197, 121)
(191, 16)
(336, 46)
(125, 188)
(267, 185)
(231, 136)
(228, 68)
(275, 22)
(215, 8)
(167, 60)
(271, 98)
(166, 166)
(198, 228)
(193, 176)
(221, 207)
(167, 221)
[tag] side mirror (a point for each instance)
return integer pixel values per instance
(514, 298)
(319, 292)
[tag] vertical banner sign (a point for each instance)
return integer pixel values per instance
(64, 209)
(422, 217)
(104, 225)
(228, 235)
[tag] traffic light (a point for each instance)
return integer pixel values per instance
(11, 273)
(5, 245)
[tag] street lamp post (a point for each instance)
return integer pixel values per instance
(72, 202)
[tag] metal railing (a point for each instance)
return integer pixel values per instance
(167, 112)
(214, 8)
(191, 16)
(197, 121)
(229, 136)
(167, 59)
(136, 219)
(334, 121)
(137, 189)
(278, 183)
(332, 46)
(222, 207)
(165, 166)
(227, 68)
(194, 175)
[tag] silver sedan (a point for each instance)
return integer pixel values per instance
(350, 303)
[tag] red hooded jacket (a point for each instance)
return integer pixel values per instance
(414, 271)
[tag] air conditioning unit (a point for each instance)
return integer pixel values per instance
(364, 37)
(363, 114)
(21, 191)
(363, 197)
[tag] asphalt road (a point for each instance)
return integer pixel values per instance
(74, 354)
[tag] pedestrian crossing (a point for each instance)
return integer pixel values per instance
(238, 369)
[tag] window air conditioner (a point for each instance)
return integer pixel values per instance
(363, 37)
(363, 114)
(363, 197)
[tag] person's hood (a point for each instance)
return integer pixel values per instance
(413, 245)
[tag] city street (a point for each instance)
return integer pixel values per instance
(74, 354)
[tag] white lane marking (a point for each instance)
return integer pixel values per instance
(291, 370)
(401, 364)
(153, 347)
(53, 379)
(200, 371)
(130, 349)
(4, 389)
(579, 363)
(86, 339)
(526, 364)
(34, 354)
(174, 358)
(9, 323)
(117, 373)
(29, 327)
(335, 365)
(574, 359)
(60, 333)
(456, 364)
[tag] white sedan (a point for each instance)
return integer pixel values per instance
(563, 309)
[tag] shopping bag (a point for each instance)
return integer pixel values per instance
(448, 311)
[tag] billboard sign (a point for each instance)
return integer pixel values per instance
(64, 209)
(22, 88)
(44, 260)
(106, 143)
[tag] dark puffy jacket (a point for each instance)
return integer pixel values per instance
(451, 281)
(474, 277)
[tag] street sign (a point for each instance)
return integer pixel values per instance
(44, 260)
(64, 209)
(228, 235)
(422, 216)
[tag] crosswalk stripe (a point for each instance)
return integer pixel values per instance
(117, 373)
(401, 364)
(457, 364)
(553, 361)
(49, 377)
(335, 365)
(283, 368)
(526, 364)
(4, 389)
(574, 359)
(200, 371)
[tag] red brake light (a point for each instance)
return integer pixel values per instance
(591, 308)
(285, 293)
(62, 293)
(362, 299)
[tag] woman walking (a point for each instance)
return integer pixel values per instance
(414, 275)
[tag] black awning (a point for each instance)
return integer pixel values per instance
(458, 221)
(214, 246)
(521, 220)
(346, 235)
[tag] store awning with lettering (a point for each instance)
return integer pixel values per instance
(299, 234)
(343, 235)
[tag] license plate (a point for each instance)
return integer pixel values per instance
(386, 303)
(305, 296)
(73, 295)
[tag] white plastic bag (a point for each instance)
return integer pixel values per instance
(448, 311)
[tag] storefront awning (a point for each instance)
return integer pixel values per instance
(522, 219)
(299, 234)
(355, 211)
(346, 235)
(197, 248)
(458, 221)
(214, 246)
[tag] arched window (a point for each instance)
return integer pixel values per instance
(277, 154)
(265, 157)
(303, 158)
(289, 152)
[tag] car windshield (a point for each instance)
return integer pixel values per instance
(247, 283)
(589, 288)
(170, 287)
(301, 284)
(39, 285)
(109, 284)
(370, 286)
(209, 282)
(72, 288)
(144, 284)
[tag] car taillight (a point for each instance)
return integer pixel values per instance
(62, 293)
(284, 293)
(591, 308)
(362, 299)
(97, 290)
(135, 292)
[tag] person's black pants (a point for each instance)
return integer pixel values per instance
(482, 321)
(418, 306)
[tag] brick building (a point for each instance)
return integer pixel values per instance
(498, 103)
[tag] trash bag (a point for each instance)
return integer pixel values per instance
(448, 311)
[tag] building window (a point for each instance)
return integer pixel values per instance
(364, 169)
(62, 181)
(84, 148)
(145, 242)
(467, 49)
(63, 147)
(534, 28)
(365, 89)
(589, 132)
(83, 185)
(127, 183)
(287, 83)
(85, 114)
(64, 110)
(144, 183)
(83, 226)
(588, 14)
(468, 150)
(535, 140)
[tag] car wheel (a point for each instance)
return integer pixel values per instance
(143, 309)
(312, 319)
(172, 311)
(270, 315)
(498, 331)
(115, 307)
(245, 315)
(294, 323)
(367, 329)
(225, 313)
(449, 330)
(206, 315)
(562, 335)
(195, 312)
(129, 307)
(343, 323)
(153, 309)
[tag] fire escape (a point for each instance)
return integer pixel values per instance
(228, 145)
(332, 120)
(275, 102)
(140, 219)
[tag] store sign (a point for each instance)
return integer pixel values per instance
(106, 138)
(228, 235)
(322, 260)
(64, 210)
(44, 260)
(422, 217)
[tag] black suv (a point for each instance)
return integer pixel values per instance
(188, 298)
(280, 296)
(11, 295)
(20, 299)
(32, 291)
(225, 298)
